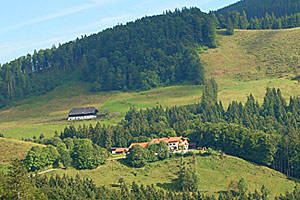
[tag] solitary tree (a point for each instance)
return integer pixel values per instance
(163, 150)
(242, 186)
(121, 181)
(210, 92)
(229, 27)
(188, 179)
(86, 155)
(137, 156)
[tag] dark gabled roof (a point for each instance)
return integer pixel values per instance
(83, 111)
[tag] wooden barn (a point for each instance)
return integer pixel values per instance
(83, 113)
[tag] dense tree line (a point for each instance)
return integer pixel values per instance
(235, 20)
(258, 8)
(80, 153)
(18, 184)
(151, 51)
(237, 140)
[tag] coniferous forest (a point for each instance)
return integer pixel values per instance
(152, 51)
(257, 8)
(255, 14)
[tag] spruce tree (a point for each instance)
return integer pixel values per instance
(210, 92)
(17, 183)
(243, 21)
(211, 40)
(229, 27)
(188, 179)
(163, 150)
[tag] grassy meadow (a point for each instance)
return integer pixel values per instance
(252, 60)
(49, 112)
(13, 149)
(214, 173)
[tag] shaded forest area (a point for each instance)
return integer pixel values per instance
(258, 8)
(256, 14)
(236, 20)
(152, 51)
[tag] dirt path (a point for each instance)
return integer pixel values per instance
(49, 170)
(119, 158)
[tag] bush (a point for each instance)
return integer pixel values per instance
(188, 179)
(137, 156)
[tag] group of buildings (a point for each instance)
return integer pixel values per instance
(174, 143)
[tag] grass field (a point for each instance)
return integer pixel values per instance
(252, 60)
(48, 113)
(215, 174)
(12, 149)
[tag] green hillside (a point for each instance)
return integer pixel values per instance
(248, 62)
(48, 113)
(150, 52)
(252, 60)
(12, 149)
(215, 174)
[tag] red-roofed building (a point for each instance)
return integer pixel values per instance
(118, 150)
(143, 144)
(174, 143)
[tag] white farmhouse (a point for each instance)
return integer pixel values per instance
(83, 113)
(174, 143)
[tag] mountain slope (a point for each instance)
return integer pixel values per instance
(245, 63)
(13, 149)
(258, 8)
(252, 60)
(149, 52)
(47, 113)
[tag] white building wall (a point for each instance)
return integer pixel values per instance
(173, 146)
(82, 117)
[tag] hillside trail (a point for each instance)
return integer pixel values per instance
(49, 170)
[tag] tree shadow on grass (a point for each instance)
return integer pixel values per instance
(174, 185)
(115, 185)
(294, 179)
(125, 162)
(222, 32)
(225, 192)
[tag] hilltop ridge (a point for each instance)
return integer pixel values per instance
(258, 8)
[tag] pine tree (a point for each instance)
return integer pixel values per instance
(188, 179)
(243, 21)
(163, 152)
(229, 27)
(211, 31)
(210, 92)
(17, 183)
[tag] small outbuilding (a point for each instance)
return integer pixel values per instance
(83, 113)
(116, 150)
